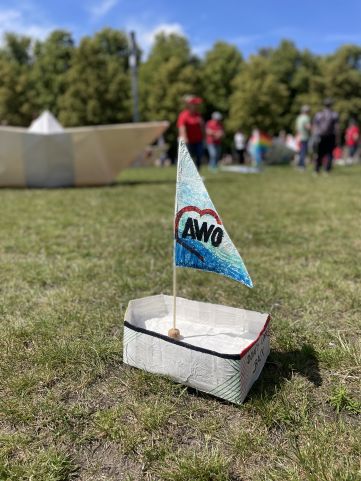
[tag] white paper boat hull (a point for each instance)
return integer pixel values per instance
(77, 156)
(207, 358)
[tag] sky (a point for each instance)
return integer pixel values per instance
(318, 25)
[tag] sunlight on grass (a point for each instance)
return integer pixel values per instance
(70, 262)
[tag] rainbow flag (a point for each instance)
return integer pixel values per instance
(259, 143)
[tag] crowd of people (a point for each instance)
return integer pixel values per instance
(318, 138)
(322, 136)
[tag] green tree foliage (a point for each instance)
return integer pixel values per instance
(98, 83)
(294, 70)
(221, 65)
(52, 60)
(169, 73)
(89, 83)
(17, 99)
(259, 99)
(308, 86)
(342, 80)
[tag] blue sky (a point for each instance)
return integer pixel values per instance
(318, 25)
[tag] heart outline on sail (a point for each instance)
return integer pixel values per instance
(201, 212)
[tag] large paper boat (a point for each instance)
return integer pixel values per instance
(216, 349)
(48, 155)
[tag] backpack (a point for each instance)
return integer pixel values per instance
(326, 121)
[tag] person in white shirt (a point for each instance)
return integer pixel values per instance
(240, 145)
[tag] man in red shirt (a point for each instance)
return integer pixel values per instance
(352, 138)
(191, 128)
(215, 132)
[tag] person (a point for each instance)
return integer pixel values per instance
(214, 135)
(240, 145)
(281, 139)
(258, 146)
(191, 128)
(303, 131)
(326, 128)
(163, 154)
(352, 137)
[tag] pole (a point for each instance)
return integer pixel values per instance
(134, 75)
(174, 332)
(174, 295)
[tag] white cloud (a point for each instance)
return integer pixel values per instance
(100, 9)
(146, 34)
(20, 22)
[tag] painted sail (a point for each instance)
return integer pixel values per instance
(201, 241)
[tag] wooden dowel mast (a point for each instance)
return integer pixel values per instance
(174, 295)
(174, 332)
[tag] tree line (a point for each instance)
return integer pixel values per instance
(89, 83)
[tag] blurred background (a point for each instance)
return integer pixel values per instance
(254, 62)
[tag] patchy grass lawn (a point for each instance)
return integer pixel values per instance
(71, 260)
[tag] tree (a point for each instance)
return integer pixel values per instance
(90, 83)
(307, 84)
(299, 73)
(221, 65)
(52, 60)
(259, 98)
(342, 74)
(17, 99)
(169, 73)
(98, 83)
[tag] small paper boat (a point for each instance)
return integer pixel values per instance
(222, 349)
(217, 349)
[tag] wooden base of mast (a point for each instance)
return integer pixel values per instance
(174, 333)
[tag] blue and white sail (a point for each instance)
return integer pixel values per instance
(201, 241)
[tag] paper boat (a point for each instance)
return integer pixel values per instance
(48, 155)
(221, 352)
(217, 349)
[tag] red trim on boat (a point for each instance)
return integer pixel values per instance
(246, 349)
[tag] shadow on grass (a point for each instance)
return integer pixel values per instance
(225, 178)
(280, 367)
(208, 180)
(116, 183)
(131, 183)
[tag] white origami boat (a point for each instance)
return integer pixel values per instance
(221, 352)
(217, 349)
(48, 155)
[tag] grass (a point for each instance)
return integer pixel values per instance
(70, 262)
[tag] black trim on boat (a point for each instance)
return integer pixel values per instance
(196, 348)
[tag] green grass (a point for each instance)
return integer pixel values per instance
(72, 259)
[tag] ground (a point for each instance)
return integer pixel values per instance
(72, 259)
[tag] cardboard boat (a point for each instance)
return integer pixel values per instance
(48, 155)
(221, 352)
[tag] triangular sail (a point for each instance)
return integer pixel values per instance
(201, 241)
